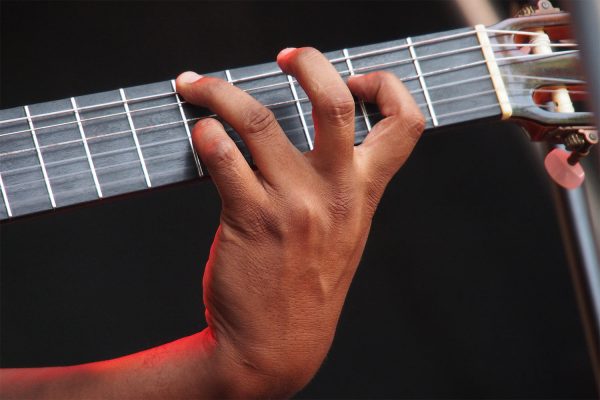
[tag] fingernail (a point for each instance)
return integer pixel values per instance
(285, 52)
(355, 76)
(189, 77)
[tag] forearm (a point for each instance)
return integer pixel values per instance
(196, 366)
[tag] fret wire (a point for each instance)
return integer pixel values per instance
(391, 63)
(228, 75)
(300, 112)
(5, 197)
(40, 158)
(360, 102)
(413, 55)
(87, 149)
(187, 130)
(135, 138)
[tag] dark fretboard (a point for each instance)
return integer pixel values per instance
(90, 147)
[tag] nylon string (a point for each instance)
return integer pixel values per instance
(450, 69)
(260, 88)
(333, 61)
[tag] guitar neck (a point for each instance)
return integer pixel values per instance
(86, 148)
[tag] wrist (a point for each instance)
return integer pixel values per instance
(248, 372)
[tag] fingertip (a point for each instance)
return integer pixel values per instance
(284, 55)
(188, 77)
(357, 85)
(204, 128)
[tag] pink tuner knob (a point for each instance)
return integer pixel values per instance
(566, 175)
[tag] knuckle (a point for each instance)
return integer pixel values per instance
(259, 120)
(341, 204)
(416, 123)
(339, 110)
(221, 152)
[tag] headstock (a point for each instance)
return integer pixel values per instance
(545, 86)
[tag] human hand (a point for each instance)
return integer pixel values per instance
(293, 231)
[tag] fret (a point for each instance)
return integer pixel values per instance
(22, 176)
(164, 136)
(228, 76)
(63, 152)
(475, 99)
(39, 154)
(362, 103)
(413, 55)
(397, 61)
(187, 129)
(5, 198)
(135, 137)
(300, 112)
(111, 143)
(85, 145)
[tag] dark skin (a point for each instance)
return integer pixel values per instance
(290, 239)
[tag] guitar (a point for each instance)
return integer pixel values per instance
(86, 148)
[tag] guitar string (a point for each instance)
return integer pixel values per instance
(176, 104)
(357, 118)
(273, 105)
(163, 95)
(167, 94)
(134, 163)
(333, 61)
(461, 112)
(285, 85)
(445, 70)
(144, 128)
(153, 97)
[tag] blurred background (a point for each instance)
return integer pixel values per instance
(463, 290)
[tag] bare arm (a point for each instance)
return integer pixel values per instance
(290, 240)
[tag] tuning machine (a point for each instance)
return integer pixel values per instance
(562, 166)
(535, 7)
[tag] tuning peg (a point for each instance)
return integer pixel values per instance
(561, 171)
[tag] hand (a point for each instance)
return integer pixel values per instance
(292, 233)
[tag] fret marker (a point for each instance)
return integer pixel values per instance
(5, 197)
(300, 112)
(135, 138)
(85, 145)
(413, 55)
(39, 154)
(362, 103)
(497, 81)
(187, 129)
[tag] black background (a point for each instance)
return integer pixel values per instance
(463, 290)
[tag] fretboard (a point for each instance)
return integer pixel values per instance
(86, 148)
